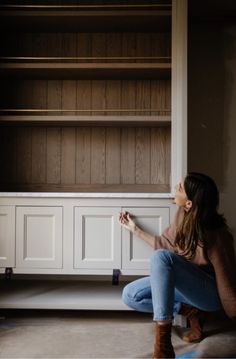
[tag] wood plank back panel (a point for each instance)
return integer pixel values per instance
(113, 155)
(8, 154)
(96, 157)
(142, 150)
(84, 44)
(100, 94)
(66, 156)
(53, 155)
(127, 156)
(39, 47)
(88, 95)
(98, 153)
(39, 153)
(24, 155)
(83, 155)
(158, 153)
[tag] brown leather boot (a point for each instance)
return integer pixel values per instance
(163, 347)
(195, 335)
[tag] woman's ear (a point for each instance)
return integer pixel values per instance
(188, 204)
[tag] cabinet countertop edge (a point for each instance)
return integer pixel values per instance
(85, 195)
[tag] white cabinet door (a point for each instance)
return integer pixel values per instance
(97, 242)
(7, 236)
(136, 252)
(39, 237)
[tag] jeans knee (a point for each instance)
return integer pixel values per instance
(161, 256)
(126, 295)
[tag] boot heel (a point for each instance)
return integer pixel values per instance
(194, 316)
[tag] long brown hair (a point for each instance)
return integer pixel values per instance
(202, 216)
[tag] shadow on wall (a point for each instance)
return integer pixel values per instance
(228, 195)
(205, 100)
(212, 108)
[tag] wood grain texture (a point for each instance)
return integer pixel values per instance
(8, 159)
(143, 45)
(40, 95)
(160, 96)
(68, 154)
(161, 44)
(103, 156)
(84, 97)
(98, 97)
(29, 44)
(129, 44)
(23, 94)
(113, 44)
(24, 155)
(158, 152)
(127, 156)
(69, 44)
(113, 96)
(128, 95)
(39, 150)
(54, 95)
(113, 156)
(83, 44)
(83, 155)
(53, 155)
(98, 152)
(142, 150)
(143, 96)
(69, 96)
(98, 45)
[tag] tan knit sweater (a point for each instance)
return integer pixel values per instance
(220, 255)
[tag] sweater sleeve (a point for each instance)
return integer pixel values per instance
(167, 238)
(221, 255)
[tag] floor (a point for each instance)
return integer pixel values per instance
(101, 334)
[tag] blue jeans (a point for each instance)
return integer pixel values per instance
(173, 280)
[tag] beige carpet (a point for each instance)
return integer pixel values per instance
(81, 334)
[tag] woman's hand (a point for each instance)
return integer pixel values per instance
(126, 221)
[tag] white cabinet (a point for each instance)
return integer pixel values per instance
(80, 237)
(101, 242)
(39, 237)
(7, 236)
(97, 242)
(69, 238)
(136, 252)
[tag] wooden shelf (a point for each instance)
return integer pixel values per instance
(86, 70)
(90, 188)
(127, 43)
(86, 120)
(66, 19)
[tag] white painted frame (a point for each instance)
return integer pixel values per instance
(135, 252)
(39, 237)
(7, 236)
(89, 251)
(179, 92)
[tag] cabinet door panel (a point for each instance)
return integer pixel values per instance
(39, 237)
(136, 252)
(97, 240)
(7, 236)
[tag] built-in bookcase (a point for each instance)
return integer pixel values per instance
(87, 96)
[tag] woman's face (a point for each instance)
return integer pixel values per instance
(181, 198)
